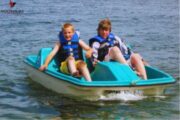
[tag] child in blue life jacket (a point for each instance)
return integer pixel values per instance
(70, 53)
(106, 46)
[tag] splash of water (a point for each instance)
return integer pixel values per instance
(124, 96)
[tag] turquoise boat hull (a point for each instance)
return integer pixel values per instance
(107, 76)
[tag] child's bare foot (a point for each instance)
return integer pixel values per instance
(76, 74)
(140, 75)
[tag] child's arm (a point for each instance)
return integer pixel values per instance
(50, 56)
(94, 58)
(86, 48)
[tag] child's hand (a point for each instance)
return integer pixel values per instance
(95, 62)
(89, 53)
(43, 67)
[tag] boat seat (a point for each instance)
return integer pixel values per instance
(113, 71)
(44, 53)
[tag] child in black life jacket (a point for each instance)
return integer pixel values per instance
(69, 48)
(106, 46)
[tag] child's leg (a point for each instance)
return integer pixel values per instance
(116, 54)
(82, 67)
(71, 65)
(145, 62)
(138, 64)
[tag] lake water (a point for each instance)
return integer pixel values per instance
(151, 27)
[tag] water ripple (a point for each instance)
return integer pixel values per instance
(150, 27)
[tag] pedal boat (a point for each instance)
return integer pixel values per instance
(107, 77)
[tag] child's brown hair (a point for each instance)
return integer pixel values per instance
(104, 24)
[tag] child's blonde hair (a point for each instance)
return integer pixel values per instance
(104, 24)
(67, 25)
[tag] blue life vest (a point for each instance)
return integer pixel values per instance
(110, 41)
(69, 47)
